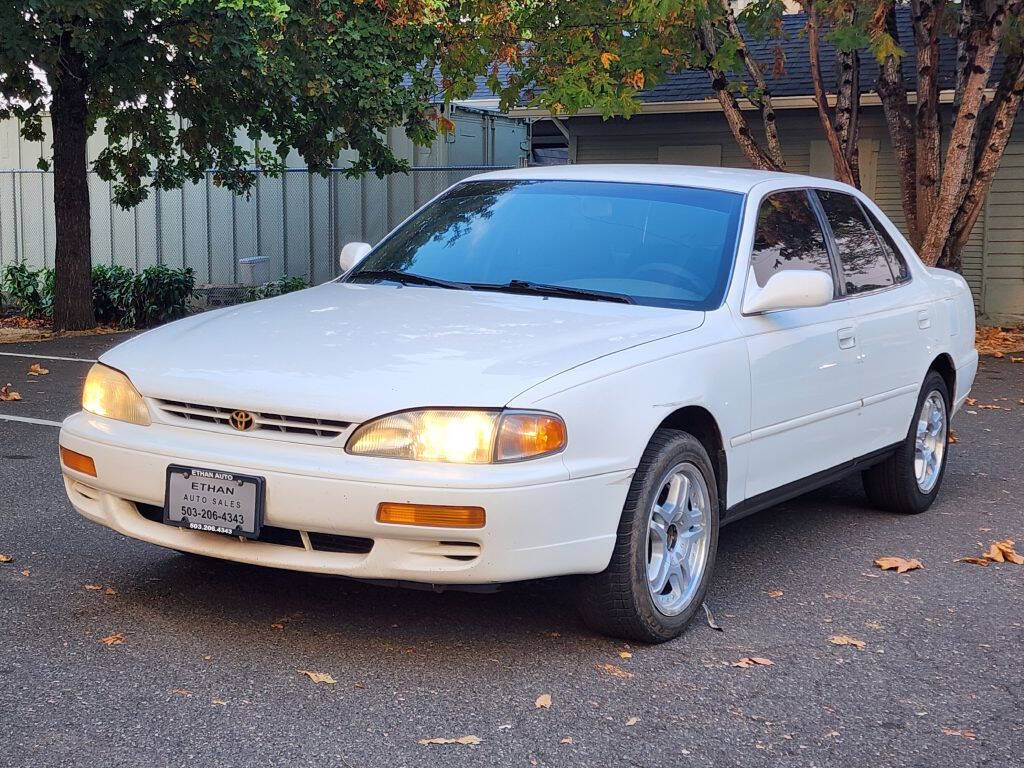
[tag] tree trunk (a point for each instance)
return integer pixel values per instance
(992, 141)
(892, 90)
(959, 155)
(72, 290)
(764, 102)
(731, 108)
(928, 134)
(840, 162)
(848, 106)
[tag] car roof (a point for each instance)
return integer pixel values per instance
(729, 179)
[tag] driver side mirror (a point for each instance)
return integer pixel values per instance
(791, 289)
(352, 254)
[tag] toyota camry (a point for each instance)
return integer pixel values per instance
(581, 371)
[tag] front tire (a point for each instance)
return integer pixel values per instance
(909, 480)
(665, 547)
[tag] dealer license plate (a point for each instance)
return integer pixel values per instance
(211, 500)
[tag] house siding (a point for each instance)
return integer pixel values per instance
(993, 259)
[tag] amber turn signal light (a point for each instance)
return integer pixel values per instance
(435, 516)
(77, 461)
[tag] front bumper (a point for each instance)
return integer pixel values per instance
(539, 522)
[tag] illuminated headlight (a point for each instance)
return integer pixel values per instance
(109, 393)
(460, 436)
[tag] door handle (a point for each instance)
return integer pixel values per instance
(924, 320)
(847, 339)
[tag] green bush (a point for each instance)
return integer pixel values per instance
(155, 295)
(29, 290)
(110, 286)
(276, 288)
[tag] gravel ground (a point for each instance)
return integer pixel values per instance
(204, 677)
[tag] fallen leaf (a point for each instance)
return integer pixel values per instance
(218, 702)
(953, 438)
(1017, 359)
(5, 558)
(277, 625)
(359, 685)
(900, 564)
(553, 634)
(543, 701)
(711, 619)
(775, 593)
(1009, 553)
(566, 740)
(625, 655)
(753, 661)
(26, 572)
(471, 741)
(8, 394)
(972, 401)
(94, 587)
(318, 677)
(115, 639)
(207, 658)
(1020, 400)
(614, 671)
(847, 640)
(962, 732)
(995, 554)
(633, 721)
(37, 370)
(110, 591)
(181, 692)
(972, 560)
(990, 407)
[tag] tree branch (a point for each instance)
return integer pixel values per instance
(892, 90)
(764, 102)
(841, 163)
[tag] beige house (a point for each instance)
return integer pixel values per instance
(682, 123)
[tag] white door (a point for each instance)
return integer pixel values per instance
(894, 317)
(804, 363)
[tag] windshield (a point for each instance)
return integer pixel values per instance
(657, 245)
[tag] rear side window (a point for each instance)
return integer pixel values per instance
(893, 254)
(861, 256)
(788, 236)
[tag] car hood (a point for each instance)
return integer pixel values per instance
(352, 352)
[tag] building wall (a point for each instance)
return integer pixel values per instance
(993, 261)
(293, 224)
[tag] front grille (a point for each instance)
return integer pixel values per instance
(266, 423)
(286, 537)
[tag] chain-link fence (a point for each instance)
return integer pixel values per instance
(293, 224)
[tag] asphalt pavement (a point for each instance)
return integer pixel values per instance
(208, 670)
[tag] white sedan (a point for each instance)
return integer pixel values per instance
(577, 370)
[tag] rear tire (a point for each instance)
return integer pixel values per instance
(665, 548)
(909, 480)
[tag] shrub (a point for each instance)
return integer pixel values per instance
(111, 286)
(30, 290)
(156, 295)
(276, 288)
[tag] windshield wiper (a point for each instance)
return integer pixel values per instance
(408, 278)
(560, 291)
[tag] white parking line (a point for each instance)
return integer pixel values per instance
(30, 420)
(49, 357)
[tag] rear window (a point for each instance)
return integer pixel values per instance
(861, 258)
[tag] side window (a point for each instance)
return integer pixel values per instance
(788, 236)
(893, 254)
(861, 257)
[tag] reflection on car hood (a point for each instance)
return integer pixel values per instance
(352, 352)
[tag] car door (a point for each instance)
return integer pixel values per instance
(803, 362)
(893, 317)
